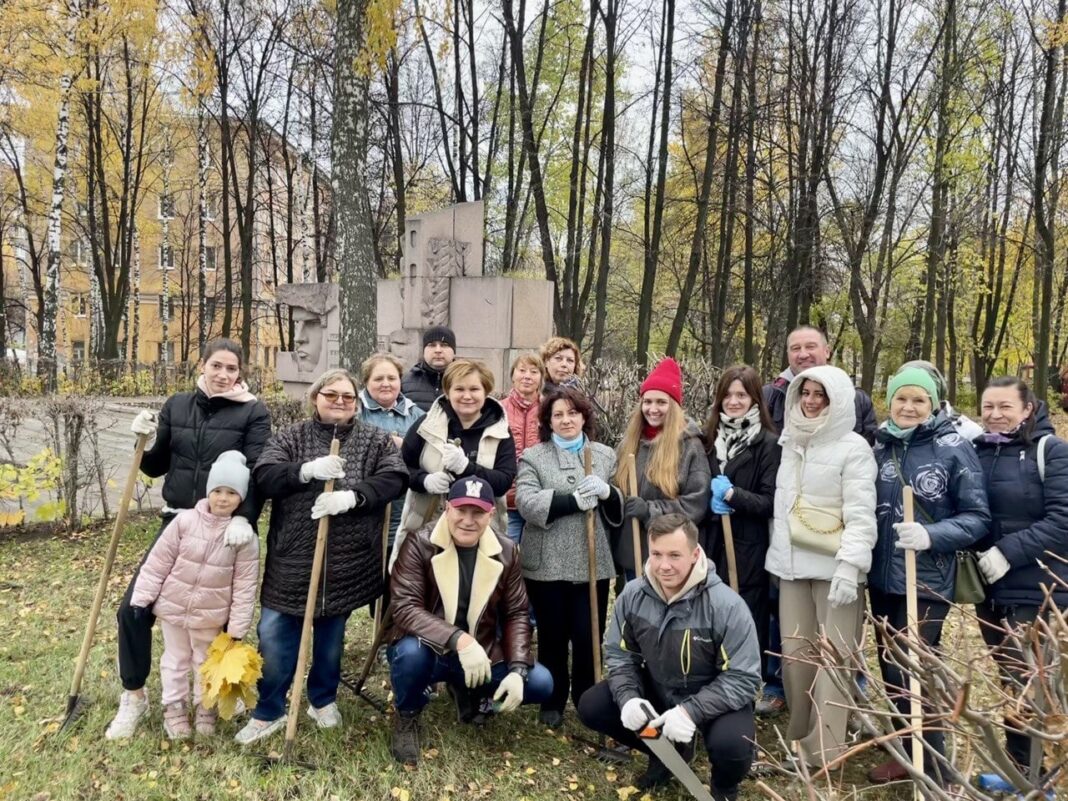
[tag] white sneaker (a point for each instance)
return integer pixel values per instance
(132, 707)
(327, 717)
(258, 729)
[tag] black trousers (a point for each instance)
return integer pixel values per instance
(993, 619)
(562, 609)
(728, 739)
(931, 615)
(135, 634)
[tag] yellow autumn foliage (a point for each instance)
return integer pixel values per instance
(229, 673)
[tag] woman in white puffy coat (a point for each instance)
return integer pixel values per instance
(821, 544)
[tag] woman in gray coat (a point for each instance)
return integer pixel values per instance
(553, 495)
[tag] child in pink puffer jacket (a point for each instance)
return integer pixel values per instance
(195, 584)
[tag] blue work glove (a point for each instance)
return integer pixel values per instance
(720, 486)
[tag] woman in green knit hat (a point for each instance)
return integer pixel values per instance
(919, 447)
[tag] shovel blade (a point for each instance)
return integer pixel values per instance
(76, 705)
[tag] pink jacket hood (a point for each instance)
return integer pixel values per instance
(192, 579)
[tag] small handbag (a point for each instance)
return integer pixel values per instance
(814, 528)
(969, 587)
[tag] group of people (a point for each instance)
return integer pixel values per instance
(492, 501)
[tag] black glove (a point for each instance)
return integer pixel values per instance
(637, 508)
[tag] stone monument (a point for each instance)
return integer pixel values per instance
(442, 283)
(316, 335)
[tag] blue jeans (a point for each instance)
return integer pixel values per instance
(773, 678)
(279, 636)
(515, 526)
(414, 666)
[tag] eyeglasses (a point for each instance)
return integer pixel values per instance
(346, 398)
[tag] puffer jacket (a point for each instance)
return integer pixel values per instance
(775, 396)
(1029, 514)
(489, 448)
(700, 649)
(193, 579)
(193, 430)
(397, 420)
(949, 501)
(352, 567)
(692, 500)
(523, 421)
(422, 385)
(836, 470)
(554, 537)
(425, 583)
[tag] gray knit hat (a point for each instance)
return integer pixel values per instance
(229, 471)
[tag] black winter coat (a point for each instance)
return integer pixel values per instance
(193, 430)
(422, 385)
(1030, 516)
(775, 398)
(352, 567)
(949, 501)
(752, 472)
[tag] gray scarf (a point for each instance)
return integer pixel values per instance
(735, 434)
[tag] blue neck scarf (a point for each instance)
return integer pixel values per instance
(903, 433)
(574, 445)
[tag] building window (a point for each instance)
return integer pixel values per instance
(170, 307)
(211, 206)
(79, 304)
(209, 308)
(165, 207)
(77, 353)
(169, 253)
(169, 350)
(211, 255)
(79, 250)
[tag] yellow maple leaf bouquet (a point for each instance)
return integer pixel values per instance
(229, 674)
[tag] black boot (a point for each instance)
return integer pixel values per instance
(464, 701)
(406, 737)
(656, 775)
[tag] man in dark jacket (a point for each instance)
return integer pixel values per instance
(460, 616)
(685, 641)
(806, 346)
(422, 384)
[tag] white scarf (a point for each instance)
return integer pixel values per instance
(802, 429)
(735, 434)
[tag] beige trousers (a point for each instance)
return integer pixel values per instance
(819, 711)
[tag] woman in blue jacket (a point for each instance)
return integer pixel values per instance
(922, 449)
(1026, 470)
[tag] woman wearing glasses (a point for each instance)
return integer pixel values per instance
(368, 473)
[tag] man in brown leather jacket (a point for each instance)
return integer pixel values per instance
(460, 616)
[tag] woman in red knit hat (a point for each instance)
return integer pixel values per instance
(673, 472)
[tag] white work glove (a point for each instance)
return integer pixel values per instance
(334, 503)
(678, 725)
(476, 665)
(993, 565)
(437, 483)
(511, 690)
(633, 715)
(454, 459)
(594, 485)
(323, 469)
(912, 537)
(145, 422)
(843, 585)
(238, 532)
(585, 502)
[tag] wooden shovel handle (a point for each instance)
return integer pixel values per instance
(635, 526)
(912, 613)
(591, 558)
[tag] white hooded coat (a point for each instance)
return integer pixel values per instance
(837, 470)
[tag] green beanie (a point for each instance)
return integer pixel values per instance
(913, 377)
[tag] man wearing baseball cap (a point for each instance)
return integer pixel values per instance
(460, 616)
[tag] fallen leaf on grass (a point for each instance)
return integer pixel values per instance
(400, 793)
(556, 761)
(626, 792)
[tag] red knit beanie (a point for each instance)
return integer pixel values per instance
(666, 377)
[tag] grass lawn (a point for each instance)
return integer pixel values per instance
(46, 588)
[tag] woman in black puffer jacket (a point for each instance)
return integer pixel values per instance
(190, 432)
(1026, 471)
(368, 473)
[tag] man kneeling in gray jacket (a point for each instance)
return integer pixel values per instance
(682, 642)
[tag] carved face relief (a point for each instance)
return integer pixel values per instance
(308, 335)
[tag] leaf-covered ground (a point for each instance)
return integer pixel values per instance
(46, 589)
